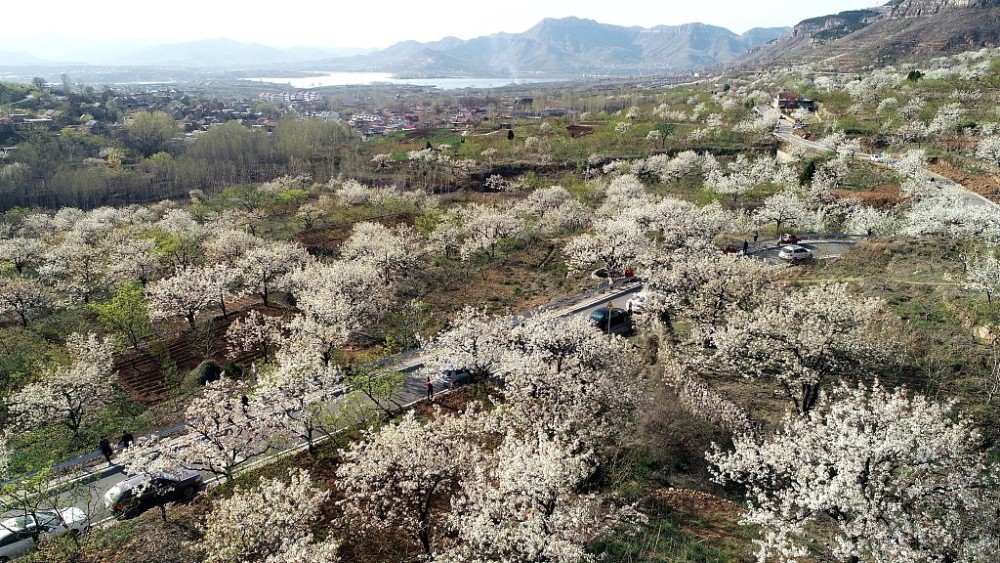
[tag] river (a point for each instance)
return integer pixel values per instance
(323, 78)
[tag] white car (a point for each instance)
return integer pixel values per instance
(20, 535)
(795, 253)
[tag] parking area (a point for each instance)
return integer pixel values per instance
(822, 250)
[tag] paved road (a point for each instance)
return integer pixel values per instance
(784, 131)
(89, 494)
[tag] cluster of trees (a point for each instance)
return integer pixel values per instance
(148, 162)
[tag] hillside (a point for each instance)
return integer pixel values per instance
(570, 46)
(899, 31)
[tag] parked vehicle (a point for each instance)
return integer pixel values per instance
(136, 494)
(795, 253)
(615, 320)
(789, 238)
(448, 377)
(21, 534)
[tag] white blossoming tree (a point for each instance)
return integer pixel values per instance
(785, 208)
(24, 298)
(22, 252)
(613, 245)
(223, 429)
(484, 228)
(255, 332)
(521, 502)
(66, 394)
(397, 479)
(392, 252)
(263, 267)
(982, 273)
(887, 476)
(803, 339)
(269, 523)
(187, 293)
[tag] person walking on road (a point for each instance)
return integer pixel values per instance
(755, 235)
(106, 449)
(746, 247)
(430, 389)
(127, 439)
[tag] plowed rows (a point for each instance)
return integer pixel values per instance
(142, 375)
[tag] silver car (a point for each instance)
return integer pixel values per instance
(20, 535)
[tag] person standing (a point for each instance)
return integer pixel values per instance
(755, 235)
(106, 449)
(127, 439)
(430, 389)
(746, 247)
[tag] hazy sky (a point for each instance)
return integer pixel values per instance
(375, 23)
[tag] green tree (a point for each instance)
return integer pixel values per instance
(149, 132)
(127, 314)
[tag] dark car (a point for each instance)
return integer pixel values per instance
(613, 320)
(449, 377)
(789, 238)
(135, 494)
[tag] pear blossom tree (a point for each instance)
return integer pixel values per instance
(264, 267)
(187, 293)
(613, 244)
(255, 332)
(22, 252)
(227, 245)
(24, 297)
(553, 210)
(393, 252)
(785, 208)
(982, 273)
(485, 227)
(75, 268)
(269, 523)
(133, 259)
(989, 150)
(298, 392)
(888, 476)
(399, 478)
(66, 394)
(223, 428)
(706, 288)
(340, 297)
(228, 428)
(522, 503)
(803, 339)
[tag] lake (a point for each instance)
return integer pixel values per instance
(363, 78)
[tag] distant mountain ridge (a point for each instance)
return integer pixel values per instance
(569, 46)
(564, 46)
(897, 31)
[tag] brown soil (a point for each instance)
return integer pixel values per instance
(987, 186)
(701, 514)
(142, 374)
(886, 195)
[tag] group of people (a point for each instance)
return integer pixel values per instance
(105, 445)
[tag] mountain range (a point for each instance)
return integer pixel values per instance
(567, 46)
(899, 31)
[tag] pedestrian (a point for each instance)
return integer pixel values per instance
(755, 235)
(127, 439)
(430, 389)
(746, 247)
(106, 449)
(869, 234)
